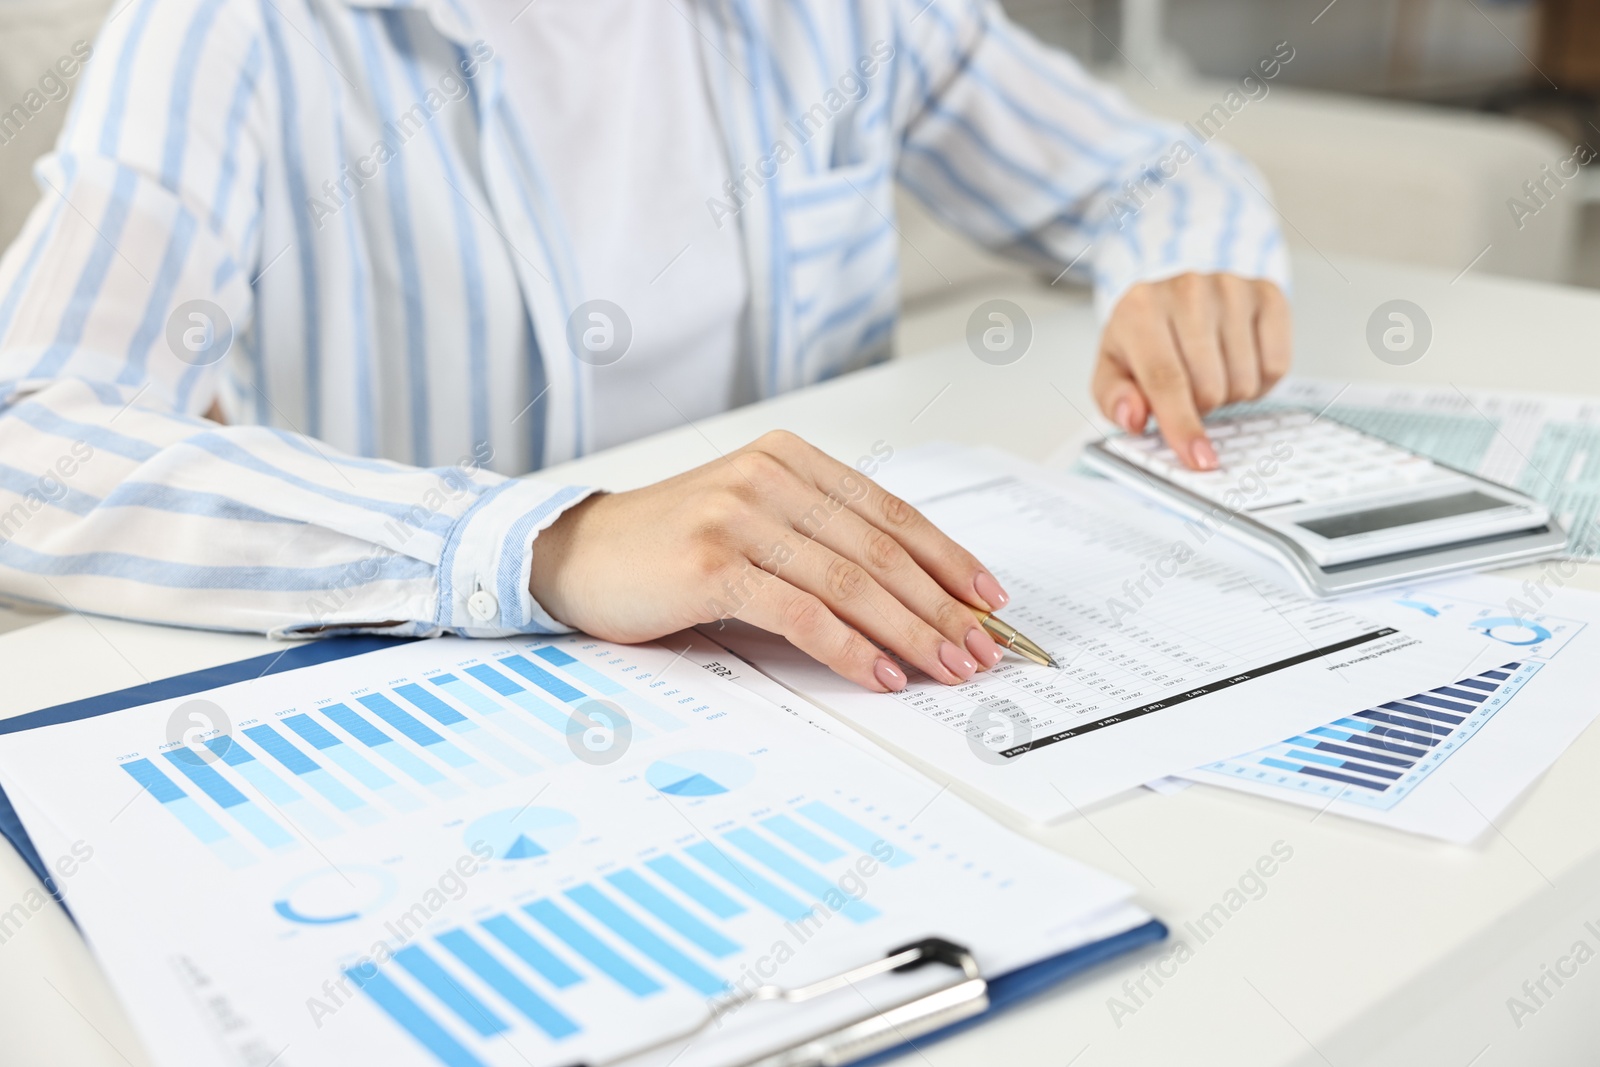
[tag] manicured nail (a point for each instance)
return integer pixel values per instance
(889, 676)
(1205, 457)
(1123, 415)
(983, 647)
(958, 662)
(989, 591)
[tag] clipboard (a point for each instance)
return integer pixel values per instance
(966, 999)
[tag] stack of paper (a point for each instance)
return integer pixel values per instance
(494, 852)
(1178, 648)
(1445, 760)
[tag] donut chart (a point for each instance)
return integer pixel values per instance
(328, 897)
(1511, 631)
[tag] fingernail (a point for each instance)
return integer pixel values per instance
(983, 647)
(1123, 415)
(889, 676)
(989, 591)
(1205, 457)
(959, 663)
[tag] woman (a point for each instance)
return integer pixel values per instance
(310, 278)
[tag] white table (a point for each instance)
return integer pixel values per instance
(1368, 946)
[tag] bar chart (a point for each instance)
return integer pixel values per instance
(318, 772)
(1379, 755)
(677, 919)
(372, 864)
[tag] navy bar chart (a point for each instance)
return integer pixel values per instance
(1379, 755)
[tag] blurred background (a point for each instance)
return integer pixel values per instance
(1529, 65)
(1442, 133)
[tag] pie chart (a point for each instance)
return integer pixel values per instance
(523, 833)
(701, 773)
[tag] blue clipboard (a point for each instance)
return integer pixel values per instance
(1004, 991)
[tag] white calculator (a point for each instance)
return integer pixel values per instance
(1342, 509)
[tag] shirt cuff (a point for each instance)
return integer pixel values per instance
(483, 570)
(1215, 218)
(1120, 267)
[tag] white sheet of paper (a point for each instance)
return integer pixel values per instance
(1432, 766)
(446, 853)
(1174, 643)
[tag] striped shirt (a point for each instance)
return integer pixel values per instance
(325, 219)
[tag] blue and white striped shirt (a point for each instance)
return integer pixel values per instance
(324, 217)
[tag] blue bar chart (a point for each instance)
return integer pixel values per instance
(289, 800)
(634, 704)
(172, 798)
(1377, 756)
(353, 763)
(311, 772)
(568, 697)
(413, 728)
(669, 921)
(337, 765)
(245, 811)
(390, 751)
(537, 738)
(347, 763)
(470, 732)
(554, 721)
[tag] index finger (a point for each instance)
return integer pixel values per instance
(1159, 371)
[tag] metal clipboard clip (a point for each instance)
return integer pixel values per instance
(966, 994)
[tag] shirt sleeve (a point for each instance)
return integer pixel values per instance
(1016, 146)
(119, 303)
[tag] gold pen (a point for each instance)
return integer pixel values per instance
(1009, 637)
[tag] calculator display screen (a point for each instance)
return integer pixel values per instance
(1390, 516)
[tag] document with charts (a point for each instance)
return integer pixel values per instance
(485, 853)
(1446, 760)
(1177, 647)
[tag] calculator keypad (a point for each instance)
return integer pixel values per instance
(1310, 460)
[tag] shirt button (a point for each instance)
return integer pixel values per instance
(483, 606)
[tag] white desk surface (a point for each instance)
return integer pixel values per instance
(1368, 947)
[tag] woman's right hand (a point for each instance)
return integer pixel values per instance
(788, 539)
